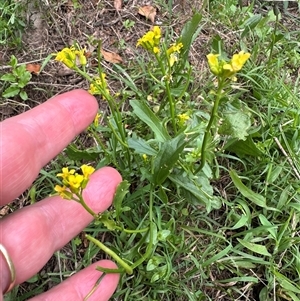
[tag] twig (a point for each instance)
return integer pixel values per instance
(287, 157)
(19, 64)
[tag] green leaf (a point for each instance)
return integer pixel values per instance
(286, 283)
(250, 24)
(241, 222)
(13, 61)
(75, 154)
(256, 198)
(144, 113)
(272, 229)
(217, 46)
(235, 123)
(189, 34)
(242, 148)
(25, 77)
(108, 223)
(23, 95)
(198, 191)
(8, 78)
(121, 191)
(217, 256)
(140, 146)
(256, 248)
(167, 157)
(11, 91)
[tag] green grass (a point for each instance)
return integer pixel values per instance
(230, 231)
(11, 22)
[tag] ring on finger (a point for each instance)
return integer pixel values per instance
(11, 268)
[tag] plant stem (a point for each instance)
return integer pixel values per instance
(111, 253)
(86, 207)
(149, 246)
(213, 116)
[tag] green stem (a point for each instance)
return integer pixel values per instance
(86, 207)
(167, 78)
(128, 269)
(149, 246)
(213, 116)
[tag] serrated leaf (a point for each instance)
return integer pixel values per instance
(144, 113)
(256, 198)
(235, 123)
(11, 91)
(256, 248)
(8, 77)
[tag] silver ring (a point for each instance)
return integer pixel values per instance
(11, 268)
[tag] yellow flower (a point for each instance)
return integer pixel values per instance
(150, 40)
(68, 57)
(183, 118)
(99, 86)
(62, 192)
(87, 171)
(145, 157)
(175, 48)
(237, 62)
(81, 56)
(96, 119)
(173, 52)
(66, 173)
(214, 64)
(74, 182)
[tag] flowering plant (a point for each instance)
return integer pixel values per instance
(160, 144)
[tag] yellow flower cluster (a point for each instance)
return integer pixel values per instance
(150, 41)
(99, 86)
(173, 52)
(72, 181)
(225, 69)
(69, 57)
(183, 118)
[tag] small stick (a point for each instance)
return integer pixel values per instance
(288, 157)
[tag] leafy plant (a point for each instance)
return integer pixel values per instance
(17, 80)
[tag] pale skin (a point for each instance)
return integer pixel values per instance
(32, 234)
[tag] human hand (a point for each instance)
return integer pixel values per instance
(32, 234)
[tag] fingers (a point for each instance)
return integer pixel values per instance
(78, 286)
(30, 140)
(31, 235)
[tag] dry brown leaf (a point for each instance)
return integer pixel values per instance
(117, 4)
(148, 11)
(111, 57)
(33, 68)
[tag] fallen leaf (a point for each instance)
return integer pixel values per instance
(117, 4)
(88, 54)
(148, 11)
(111, 57)
(33, 68)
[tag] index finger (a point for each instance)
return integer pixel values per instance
(30, 140)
